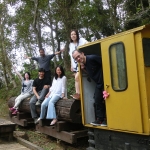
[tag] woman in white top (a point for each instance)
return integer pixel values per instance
(56, 91)
(75, 41)
(26, 91)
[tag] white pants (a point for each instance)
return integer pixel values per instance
(20, 98)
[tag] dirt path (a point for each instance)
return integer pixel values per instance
(11, 146)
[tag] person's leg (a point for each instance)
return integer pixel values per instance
(43, 94)
(33, 107)
(99, 104)
(20, 98)
(51, 112)
(44, 108)
(77, 87)
(77, 84)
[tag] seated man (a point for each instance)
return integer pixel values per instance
(40, 89)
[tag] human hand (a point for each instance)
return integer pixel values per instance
(71, 69)
(27, 57)
(64, 98)
(62, 50)
(47, 95)
(46, 86)
(38, 96)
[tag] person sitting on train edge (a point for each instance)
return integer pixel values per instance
(26, 90)
(56, 91)
(40, 89)
(93, 66)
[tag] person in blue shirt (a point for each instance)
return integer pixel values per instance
(44, 61)
(93, 66)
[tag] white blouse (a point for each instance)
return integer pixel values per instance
(58, 87)
(73, 47)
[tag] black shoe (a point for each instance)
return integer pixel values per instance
(104, 123)
(96, 123)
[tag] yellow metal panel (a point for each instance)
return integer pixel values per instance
(123, 108)
(129, 110)
(144, 79)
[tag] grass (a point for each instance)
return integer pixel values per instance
(5, 95)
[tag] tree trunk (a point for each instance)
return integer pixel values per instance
(68, 110)
(36, 24)
(3, 51)
(149, 3)
(52, 41)
(58, 41)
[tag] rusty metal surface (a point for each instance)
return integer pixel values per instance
(68, 110)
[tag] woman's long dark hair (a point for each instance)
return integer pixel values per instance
(28, 75)
(62, 72)
(77, 33)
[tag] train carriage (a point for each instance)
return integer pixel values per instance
(126, 71)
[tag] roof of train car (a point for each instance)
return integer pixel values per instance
(116, 35)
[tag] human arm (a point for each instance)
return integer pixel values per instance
(83, 67)
(26, 57)
(64, 81)
(47, 95)
(20, 76)
(35, 93)
(33, 58)
(50, 89)
(83, 41)
(56, 53)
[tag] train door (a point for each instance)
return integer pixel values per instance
(121, 82)
(88, 86)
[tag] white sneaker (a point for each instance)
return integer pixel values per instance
(36, 121)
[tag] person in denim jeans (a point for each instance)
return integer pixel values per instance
(56, 91)
(40, 89)
(26, 90)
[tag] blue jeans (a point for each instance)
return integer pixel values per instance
(49, 104)
(34, 99)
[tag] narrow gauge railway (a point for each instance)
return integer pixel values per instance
(126, 70)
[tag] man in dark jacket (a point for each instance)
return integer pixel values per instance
(93, 66)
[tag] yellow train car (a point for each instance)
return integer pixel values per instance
(126, 71)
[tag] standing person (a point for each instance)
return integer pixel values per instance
(26, 90)
(75, 41)
(40, 89)
(56, 91)
(93, 66)
(44, 62)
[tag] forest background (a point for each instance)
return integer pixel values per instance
(47, 23)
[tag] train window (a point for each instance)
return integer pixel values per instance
(146, 51)
(118, 66)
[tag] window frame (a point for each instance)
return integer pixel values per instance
(111, 69)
